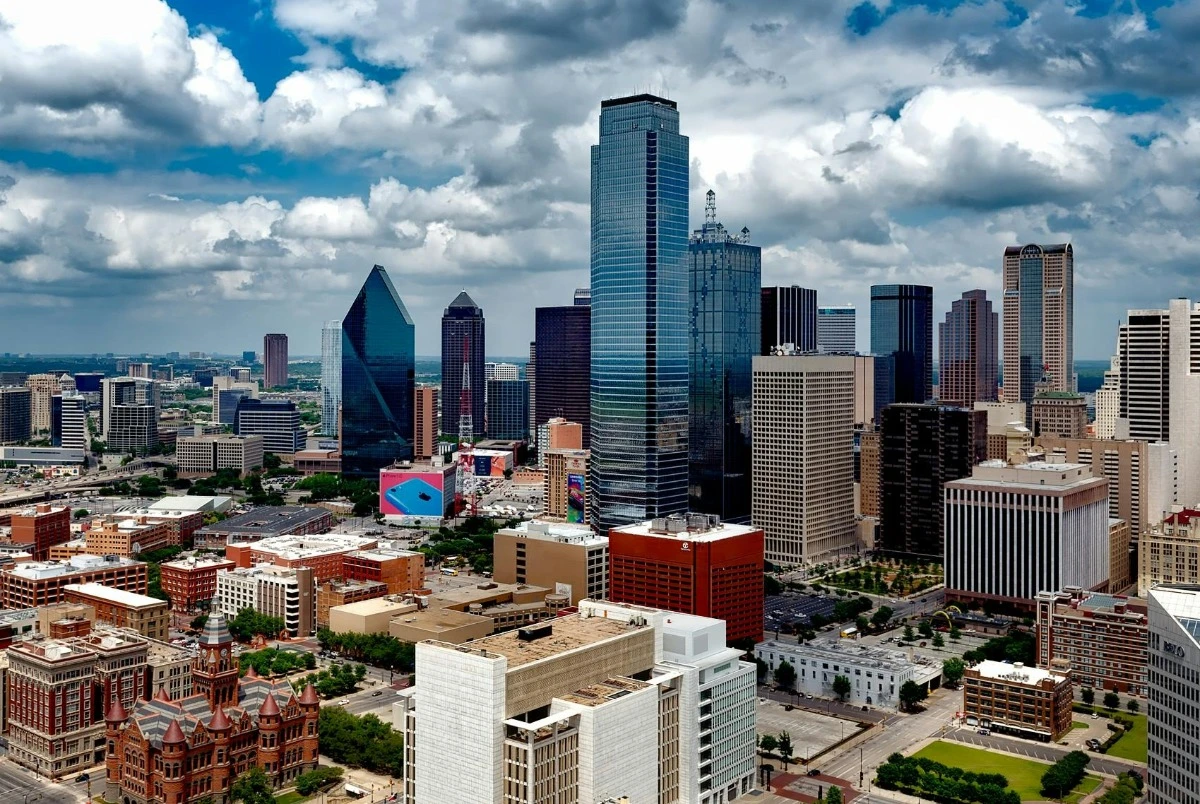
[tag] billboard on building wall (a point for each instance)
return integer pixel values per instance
(575, 497)
(411, 494)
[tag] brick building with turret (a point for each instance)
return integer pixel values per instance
(171, 752)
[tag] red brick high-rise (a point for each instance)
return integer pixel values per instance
(692, 564)
(41, 528)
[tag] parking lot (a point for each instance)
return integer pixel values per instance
(811, 732)
(780, 611)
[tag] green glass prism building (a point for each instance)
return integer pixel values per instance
(378, 364)
(726, 308)
(639, 377)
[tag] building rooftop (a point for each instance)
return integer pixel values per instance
(38, 570)
(199, 561)
(275, 520)
(483, 593)
(1041, 475)
(845, 651)
(561, 532)
(40, 510)
(1017, 673)
(190, 503)
(379, 605)
(259, 569)
(604, 691)
(298, 547)
(383, 554)
(566, 634)
(437, 620)
(52, 650)
(692, 528)
(1058, 395)
(119, 596)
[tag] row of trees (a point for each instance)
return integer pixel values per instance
(930, 779)
(781, 745)
(1017, 646)
(270, 661)
(315, 779)
(378, 650)
(361, 742)
(1112, 701)
(911, 693)
(1061, 777)
(247, 624)
(362, 494)
(339, 679)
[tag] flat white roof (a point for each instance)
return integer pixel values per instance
(294, 547)
(131, 599)
(567, 533)
(188, 503)
(1019, 673)
(724, 530)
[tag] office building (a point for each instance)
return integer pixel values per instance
(196, 456)
(639, 407)
(567, 558)
(969, 351)
(501, 371)
(865, 413)
(1013, 530)
(378, 364)
(531, 378)
(1169, 552)
(331, 376)
(181, 521)
(789, 315)
(508, 409)
(463, 340)
(1059, 413)
(275, 360)
(923, 448)
(68, 422)
(264, 523)
(38, 583)
(277, 422)
(88, 382)
(333, 594)
(902, 342)
(1173, 744)
(202, 743)
(226, 393)
(121, 535)
(191, 582)
(15, 414)
(870, 474)
(400, 571)
(566, 484)
(129, 414)
(141, 371)
(612, 701)
(40, 528)
(803, 491)
(1014, 699)
(249, 356)
(1108, 402)
(694, 564)
(1005, 421)
(141, 613)
(288, 593)
(724, 276)
(1039, 331)
(42, 387)
(876, 674)
(322, 554)
(1158, 352)
(837, 330)
(425, 422)
(561, 366)
(1100, 639)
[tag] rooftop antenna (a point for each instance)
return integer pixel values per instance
(710, 207)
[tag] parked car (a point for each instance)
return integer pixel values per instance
(376, 693)
(984, 732)
(344, 702)
(813, 772)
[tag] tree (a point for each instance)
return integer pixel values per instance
(833, 795)
(952, 670)
(908, 633)
(199, 622)
(785, 675)
(1132, 706)
(861, 624)
(926, 629)
(1112, 700)
(315, 779)
(911, 694)
(80, 513)
(841, 686)
(768, 744)
(253, 787)
(1088, 694)
(955, 634)
(938, 640)
(785, 748)
(881, 617)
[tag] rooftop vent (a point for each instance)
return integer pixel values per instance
(533, 632)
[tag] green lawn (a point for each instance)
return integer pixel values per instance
(1133, 745)
(290, 798)
(1024, 775)
(1078, 725)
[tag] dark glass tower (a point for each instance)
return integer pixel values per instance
(563, 343)
(968, 348)
(378, 362)
(639, 313)
(462, 322)
(902, 342)
(508, 409)
(725, 275)
(789, 315)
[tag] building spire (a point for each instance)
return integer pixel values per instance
(710, 207)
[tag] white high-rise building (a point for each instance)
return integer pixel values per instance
(74, 422)
(42, 387)
(1173, 744)
(615, 701)
(803, 411)
(837, 330)
(1108, 401)
(331, 376)
(129, 413)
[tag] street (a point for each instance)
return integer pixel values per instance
(18, 784)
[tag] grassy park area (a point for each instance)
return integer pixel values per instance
(1024, 775)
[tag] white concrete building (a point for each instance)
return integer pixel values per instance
(1173, 744)
(876, 674)
(803, 495)
(74, 432)
(837, 331)
(283, 592)
(614, 701)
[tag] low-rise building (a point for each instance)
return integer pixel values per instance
(39, 583)
(286, 593)
(204, 455)
(372, 616)
(264, 523)
(1012, 698)
(568, 558)
(146, 615)
(317, 461)
(401, 570)
(191, 581)
(170, 669)
(339, 593)
(1059, 413)
(125, 537)
(1100, 638)
(322, 554)
(875, 674)
(472, 611)
(181, 522)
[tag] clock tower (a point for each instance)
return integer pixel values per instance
(214, 670)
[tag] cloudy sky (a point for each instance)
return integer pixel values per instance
(192, 174)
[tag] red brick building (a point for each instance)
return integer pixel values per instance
(41, 528)
(401, 570)
(179, 751)
(692, 564)
(38, 583)
(191, 582)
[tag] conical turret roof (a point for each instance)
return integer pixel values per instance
(162, 695)
(220, 720)
(116, 712)
(216, 631)
(174, 734)
(269, 707)
(309, 696)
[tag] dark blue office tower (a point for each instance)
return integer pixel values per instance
(902, 342)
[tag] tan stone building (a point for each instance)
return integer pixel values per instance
(42, 388)
(1169, 552)
(425, 422)
(1060, 413)
(1005, 421)
(870, 465)
(147, 615)
(1119, 556)
(372, 616)
(566, 484)
(126, 537)
(339, 593)
(569, 559)
(470, 612)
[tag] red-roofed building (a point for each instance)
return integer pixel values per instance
(1169, 552)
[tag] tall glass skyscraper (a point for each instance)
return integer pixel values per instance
(563, 371)
(462, 323)
(1039, 310)
(902, 341)
(639, 313)
(968, 349)
(331, 376)
(789, 315)
(378, 364)
(725, 273)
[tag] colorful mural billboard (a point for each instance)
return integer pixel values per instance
(411, 494)
(576, 485)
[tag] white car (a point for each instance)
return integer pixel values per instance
(344, 702)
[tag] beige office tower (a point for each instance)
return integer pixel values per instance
(566, 484)
(425, 421)
(870, 467)
(1059, 413)
(42, 388)
(803, 465)
(1108, 402)
(1005, 420)
(1039, 304)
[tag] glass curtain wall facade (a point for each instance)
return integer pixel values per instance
(331, 376)
(463, 322)
(1039, 304)
(725, 279)
(968, 351)
(837, 330)
(639, 378)
(789, 315)
(508, 409)
(902, 341)
(563, 345)
(378, 365)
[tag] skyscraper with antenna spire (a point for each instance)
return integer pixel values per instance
(462, 366)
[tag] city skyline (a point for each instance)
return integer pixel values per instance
(233, 213)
